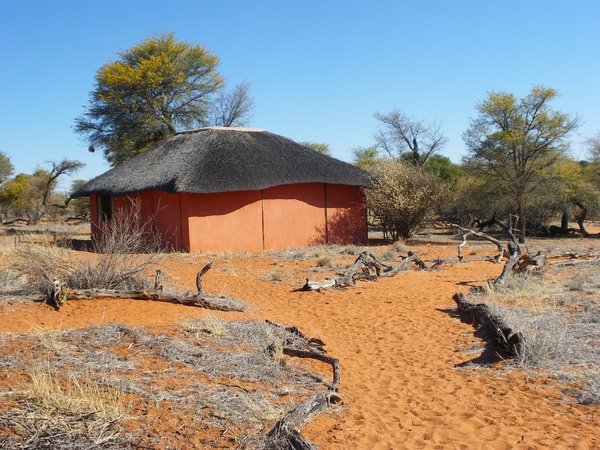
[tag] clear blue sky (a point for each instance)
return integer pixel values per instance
(319, 69)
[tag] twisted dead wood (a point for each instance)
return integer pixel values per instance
(362, 269)
(506, 342)
(61, 293)
(468, 233)
(286, 432)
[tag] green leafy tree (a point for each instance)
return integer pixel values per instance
(403, 197)
(399, 134)
(365, 157)
(317, 147)
(574, 186)
(12, 196)
(80, 205)
(514, 143)
(6, 167)
(444, 168)
(156, 88)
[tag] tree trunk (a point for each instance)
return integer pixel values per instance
(582, 218)
(564, 222)
(522, 225)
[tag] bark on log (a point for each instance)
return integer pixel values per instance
(335, 363)
(285, 435)
(312, 348)
(507, 271)
(539, 260)
(361, 269)
(61, 293)
(514, 253)
(506, 342)
(575, 263)
(310, 343)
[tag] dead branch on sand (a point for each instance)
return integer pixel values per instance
(362, 270)
(516, 264)
(286, 432)
(61, 293)
(468, 233)
(286, 435)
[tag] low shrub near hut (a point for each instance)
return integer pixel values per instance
(403, 197)
(121, 257)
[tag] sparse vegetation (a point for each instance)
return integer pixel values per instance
(558, 314)
(89, 394)
(122, 256)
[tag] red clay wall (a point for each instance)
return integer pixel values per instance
(294, 215)
(346, 215)
(275, 218)
(226, 221)
(158, 207)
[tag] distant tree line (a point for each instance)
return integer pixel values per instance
(34, 197)
(517, 163)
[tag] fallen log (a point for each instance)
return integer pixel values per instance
(362, 270)
(571, 262)
(506, 342)
(528, 262)
(310, 343)
(312, 348)
(286, 432)
(61, 293)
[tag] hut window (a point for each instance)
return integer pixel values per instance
(105, 208)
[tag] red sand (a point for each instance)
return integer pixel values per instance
(399, 353)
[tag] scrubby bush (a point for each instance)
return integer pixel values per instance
(403, 197)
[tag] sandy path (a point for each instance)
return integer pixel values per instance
(398, 352)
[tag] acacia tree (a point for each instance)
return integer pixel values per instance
(6, 167)
(365, 157)
(31, 195)
(156, 88)
(401, 134)
(513, 144)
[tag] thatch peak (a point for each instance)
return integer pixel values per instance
(195, 130)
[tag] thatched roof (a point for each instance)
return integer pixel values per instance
(217, 159)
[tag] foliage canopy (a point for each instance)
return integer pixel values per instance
(156, 88)
(514, 143)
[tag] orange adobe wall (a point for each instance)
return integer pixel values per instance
(224, 221)
(346, 215)
(294, 216)
(280, 217)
